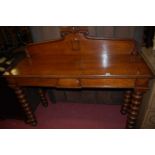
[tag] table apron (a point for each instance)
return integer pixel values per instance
(75, 82)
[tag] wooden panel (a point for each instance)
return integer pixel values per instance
(108, 83)
(142, 82)
(68, 83)
(24, 81)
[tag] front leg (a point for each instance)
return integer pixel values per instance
(30, 117)
(127, 100)
(134, 109)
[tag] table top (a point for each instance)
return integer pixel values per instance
(80, 56)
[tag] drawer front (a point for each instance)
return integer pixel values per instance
(36, 81)
(108, 83)
(68, 83)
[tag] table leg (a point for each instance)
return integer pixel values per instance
(127, 101)
(134, 109)
(42, 97)
(30, 117)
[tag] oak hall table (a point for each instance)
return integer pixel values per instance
(78, 61)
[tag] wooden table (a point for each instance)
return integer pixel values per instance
(78, 61)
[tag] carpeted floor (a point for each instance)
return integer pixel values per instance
(72, 116)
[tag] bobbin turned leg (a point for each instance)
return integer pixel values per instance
(127, 101)
(30, 117)
(134, 109)
(42, 97)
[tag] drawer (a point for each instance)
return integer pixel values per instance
(33, 81)
(108, 83)
(68, 83)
